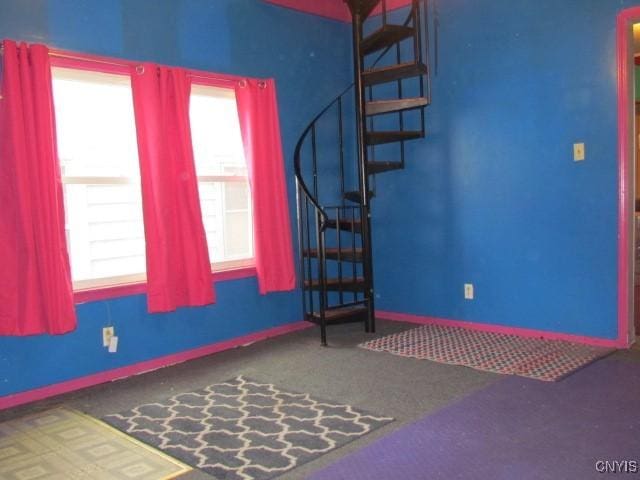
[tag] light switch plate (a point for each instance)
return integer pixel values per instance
(578, 152)
(468, 291)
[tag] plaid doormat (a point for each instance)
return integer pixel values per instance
(547, 360)
(243, 429)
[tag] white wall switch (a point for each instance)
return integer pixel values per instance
(113, 345)
(107, 333)
(578, 152)
(468, 291)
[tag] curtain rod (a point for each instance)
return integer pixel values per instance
(217, 79)
(129, 63)
(124, 63)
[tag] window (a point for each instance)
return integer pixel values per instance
(100, 173)
(225, 197)
(98, 153)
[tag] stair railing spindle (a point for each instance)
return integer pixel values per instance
(339, 244)
(427, 48)
(315, 161)
(322, 278)
(417, 35)
(400, 113)
(353, 249)
(301, 247)
(341, 139)
(309, 265)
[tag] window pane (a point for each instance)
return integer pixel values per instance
(237, 241)
(99, 160)
(215, 130)
(237, 196)
(212, 215)
(95, 124)
(217, 145)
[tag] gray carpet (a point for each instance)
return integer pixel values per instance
(402, 388)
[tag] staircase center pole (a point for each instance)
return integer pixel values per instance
(365, 210)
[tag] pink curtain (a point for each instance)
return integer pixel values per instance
(260, 125)
(178, 267)
(36, 295)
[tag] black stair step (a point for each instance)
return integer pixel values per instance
(337, 315)
(355, 197)
(393, 72)
(378, 107)
(381, 167)
(347, 284)
(378, 138)
(344, 254)
(345, 225)
(384, 37)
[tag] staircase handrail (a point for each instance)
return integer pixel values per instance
(303, 137)
(297, 154)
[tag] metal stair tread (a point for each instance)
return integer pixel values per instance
(393, 72)
(378, 107)
(341, 314)
(345, 254)
(345, 225)
(378, 138)
(355, 196)
(381, 167)
(347, 284)
(384, 37)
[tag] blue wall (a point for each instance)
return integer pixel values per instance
(492, 196)
(307, 57)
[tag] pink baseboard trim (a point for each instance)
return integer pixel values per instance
(484, 327)
(143, 367)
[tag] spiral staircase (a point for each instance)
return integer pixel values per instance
(361, 134)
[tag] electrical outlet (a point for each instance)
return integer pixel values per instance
(113, 345)
(468, 291)
(107, 334)
(578, 152)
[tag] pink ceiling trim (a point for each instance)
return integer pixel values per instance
(334, 9)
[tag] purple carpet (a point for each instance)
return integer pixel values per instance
(515, 429)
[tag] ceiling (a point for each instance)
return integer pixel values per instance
(335, 9)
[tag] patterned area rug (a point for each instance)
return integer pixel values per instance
(63, 444)
(547, 360)
(243, 429)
